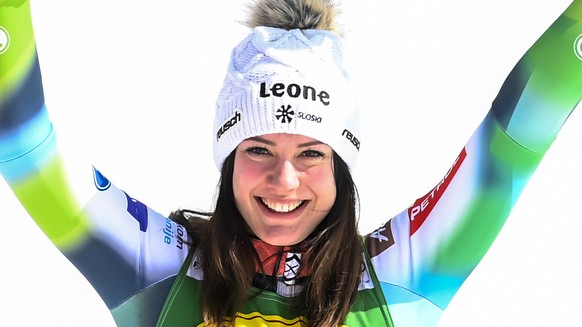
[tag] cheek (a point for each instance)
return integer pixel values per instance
(323, 185)
(244, 177)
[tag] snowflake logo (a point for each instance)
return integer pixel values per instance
(285, 114)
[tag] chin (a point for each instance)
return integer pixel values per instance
(281, 240)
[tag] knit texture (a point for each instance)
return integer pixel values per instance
(281, 81)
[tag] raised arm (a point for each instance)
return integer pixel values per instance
(29, 161)
(120, 245)
(423, 255)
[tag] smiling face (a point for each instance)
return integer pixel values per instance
(283, 186)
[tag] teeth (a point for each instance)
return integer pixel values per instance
(281, 207)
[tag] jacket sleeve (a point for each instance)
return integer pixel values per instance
(423, 255)
(120, 245)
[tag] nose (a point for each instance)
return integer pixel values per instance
(284, 176)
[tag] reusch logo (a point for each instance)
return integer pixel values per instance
(4, 40)
(285, 114)
(352, 138)
(578, 47)
(230, 123)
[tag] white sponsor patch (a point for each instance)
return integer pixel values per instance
(4, 40)
(578, 47)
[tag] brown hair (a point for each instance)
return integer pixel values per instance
(334, 254)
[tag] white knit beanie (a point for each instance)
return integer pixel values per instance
(287, 81)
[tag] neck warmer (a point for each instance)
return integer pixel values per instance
(281, 268)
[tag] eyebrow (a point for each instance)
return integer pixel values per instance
(302, 145)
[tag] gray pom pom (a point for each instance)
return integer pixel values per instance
(293, 14)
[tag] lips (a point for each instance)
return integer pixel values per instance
(281, 207)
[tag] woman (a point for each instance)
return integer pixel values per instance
(415, 256)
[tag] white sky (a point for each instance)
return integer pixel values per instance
(131, 84)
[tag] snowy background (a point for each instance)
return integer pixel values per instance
(131, 85)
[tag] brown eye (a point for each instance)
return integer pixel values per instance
(256, 150)
(312, 154)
